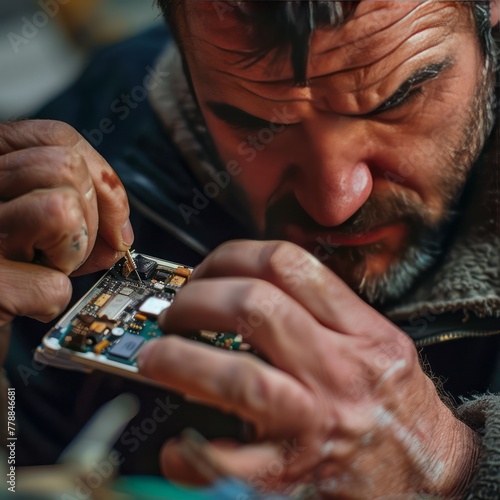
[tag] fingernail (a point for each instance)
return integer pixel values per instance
(145, 354)
(127, 234)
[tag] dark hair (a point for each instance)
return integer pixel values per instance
(289, 24)
(283, 24)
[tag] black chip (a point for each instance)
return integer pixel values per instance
(145, 267)
(127, 346)
(163, 275)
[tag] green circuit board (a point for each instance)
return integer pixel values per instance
(119, 314)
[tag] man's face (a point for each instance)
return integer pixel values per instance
(361, 166)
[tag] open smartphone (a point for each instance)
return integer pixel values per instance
(110, 325)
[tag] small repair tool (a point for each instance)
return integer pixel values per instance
(130, 266)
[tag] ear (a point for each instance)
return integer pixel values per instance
(494, 11)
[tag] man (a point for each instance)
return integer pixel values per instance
(355, 131)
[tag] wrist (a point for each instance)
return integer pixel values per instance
(463, 453)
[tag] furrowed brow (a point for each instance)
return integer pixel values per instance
(422, 75)
(234, 116)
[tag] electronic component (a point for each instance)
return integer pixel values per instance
(183, 271)
(102, 299)
(101, 346)
(154, 306)
(177, 281)
(114, 307)
(117, 331)
(127, 346)
(145, 267)
(107, 328)
(130, 266)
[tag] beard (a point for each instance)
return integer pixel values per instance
(426, 238)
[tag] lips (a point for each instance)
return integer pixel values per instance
(391, 234)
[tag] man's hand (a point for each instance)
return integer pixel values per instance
(62, 208)
(342, 402)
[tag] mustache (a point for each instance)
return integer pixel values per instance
(378, 210)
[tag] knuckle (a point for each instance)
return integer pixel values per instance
(252, 295)
(63, 209)
(69, 163)
(282, 257)
(52, 291)
(60, 133)
(243, 386)
(66, 166)
(223, 254)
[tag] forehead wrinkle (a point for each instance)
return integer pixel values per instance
(355, 60)
(385, 71)
(304, 92)
(351, 26)
(232, 50)
(270, 85)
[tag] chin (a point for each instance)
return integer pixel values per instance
(380, 276)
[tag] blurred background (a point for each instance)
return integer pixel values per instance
(44, 44)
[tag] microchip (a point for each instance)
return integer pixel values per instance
(153, 306)
(127, 346)
(115, 306)
(127, 291)
(102, 299)
(163, 275)
(145, 267)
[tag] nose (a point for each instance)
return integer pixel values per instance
(332, 175)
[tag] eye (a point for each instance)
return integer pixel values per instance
(250, 123)
(401, 99)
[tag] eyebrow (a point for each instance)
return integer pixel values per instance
(234, 116)
(421, 76)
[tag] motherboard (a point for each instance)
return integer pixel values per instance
(116, 318)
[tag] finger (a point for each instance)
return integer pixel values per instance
(268, 319)
(30, 290)
(111, 195)
(234, 382)
(43, 167)
(300, 275)
(47, 221)
(196, 463)
(48, 167)
(102, 257)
